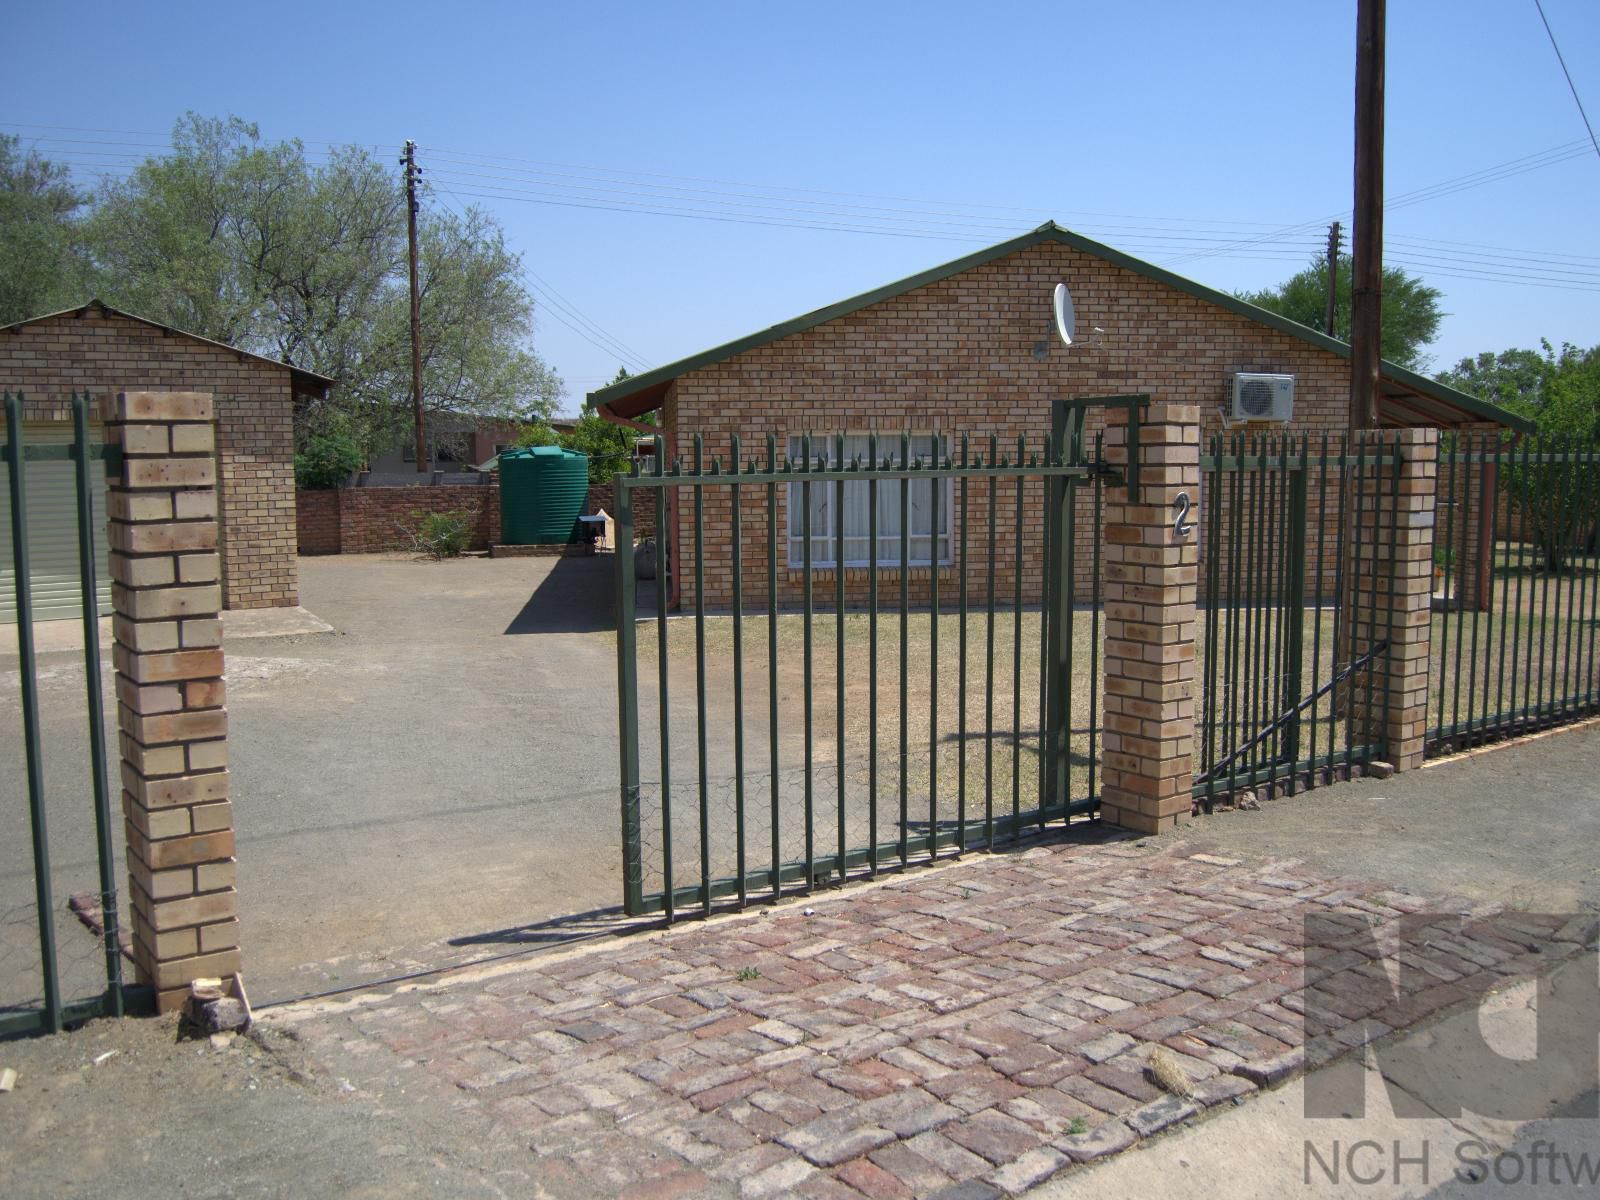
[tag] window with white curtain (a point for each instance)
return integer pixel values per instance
(853, 526)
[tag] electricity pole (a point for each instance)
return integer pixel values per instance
(1366, 279)
(409, 161)
(1333, 275)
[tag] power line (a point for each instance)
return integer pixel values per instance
(1176, 239)
(1570, 85)
(558, 303)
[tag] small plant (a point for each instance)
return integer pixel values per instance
(746, 974)
(442, 535)
(1077, 1126)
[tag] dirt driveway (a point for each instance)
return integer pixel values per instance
(411, 788)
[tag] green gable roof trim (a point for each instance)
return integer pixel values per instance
(651, 385)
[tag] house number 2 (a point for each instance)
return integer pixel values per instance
(1181, 524)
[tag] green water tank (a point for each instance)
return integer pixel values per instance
(542, 493)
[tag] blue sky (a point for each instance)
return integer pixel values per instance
(676, 175)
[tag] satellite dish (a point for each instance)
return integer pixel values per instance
(1066, 318)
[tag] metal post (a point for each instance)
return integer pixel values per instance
(628, 701)
(14, 458)
(89, 596)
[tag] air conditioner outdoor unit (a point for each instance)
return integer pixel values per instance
(1262, 397)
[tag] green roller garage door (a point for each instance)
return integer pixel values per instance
(52, 531)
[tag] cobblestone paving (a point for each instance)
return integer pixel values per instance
(964, 1032)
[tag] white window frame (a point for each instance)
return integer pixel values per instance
(824, 545)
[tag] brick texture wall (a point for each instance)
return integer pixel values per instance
(977, 353)
(103, 353)
(603, 496)
(367, 519)
(317, 525)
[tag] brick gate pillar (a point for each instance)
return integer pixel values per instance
(1150, 590)
(167, 653)
(1395, 584)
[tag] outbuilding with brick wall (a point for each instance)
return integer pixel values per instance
(103, 351)
(970, 348)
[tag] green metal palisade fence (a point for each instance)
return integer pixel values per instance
(1516, 589)
(23, 951)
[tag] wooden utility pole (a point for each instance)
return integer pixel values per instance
(409, 161)
(1366, 279)
(1333, 275)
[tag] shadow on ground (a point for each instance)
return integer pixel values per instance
(577, 596)
(580, 926)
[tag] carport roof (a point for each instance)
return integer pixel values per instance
(303, 381)
(1407, 398)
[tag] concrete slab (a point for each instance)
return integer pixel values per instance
(271, 622)
(55, 636)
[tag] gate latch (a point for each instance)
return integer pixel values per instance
(1073, 449)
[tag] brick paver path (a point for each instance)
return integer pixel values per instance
(964, 1032)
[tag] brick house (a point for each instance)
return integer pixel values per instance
(970, 348)
(101, 350)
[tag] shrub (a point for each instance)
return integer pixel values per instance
(442, 535)
(326, 462)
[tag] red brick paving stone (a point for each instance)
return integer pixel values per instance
(826, 1187)
(1030, 1170)
(1125, 1075)
(873, 1181)
(780, 1179)
(836, 1137)
(1101, 1099)
(749, 1162)
(957, 1162)
(920, 1176)
(993, 1135)
(845, 1028)
(680, 1185)
(714, 1098)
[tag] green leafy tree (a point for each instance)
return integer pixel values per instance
(538, 433)
(245, 242)
(1411, 314)
(326, 461)
(41, 267)
(1561, 391)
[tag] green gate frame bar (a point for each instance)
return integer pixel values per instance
(15, 456)
(89, 599)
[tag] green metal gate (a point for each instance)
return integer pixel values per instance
(748, 766)
(1290, 642)
(47, 982)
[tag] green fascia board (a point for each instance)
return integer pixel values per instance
(1049, 232)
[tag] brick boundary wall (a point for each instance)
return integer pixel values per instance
(603, 495)
(367, 519)
(167, 654)
(316, 520)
